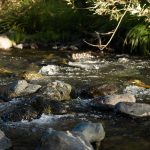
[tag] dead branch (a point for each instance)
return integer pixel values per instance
(102, 47)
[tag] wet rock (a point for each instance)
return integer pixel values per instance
(139, 92)
(49, 70)
(18, 88)
(15, 105)
(5, 143)
(133, 109)
(102, 90)
(80, 105)
(23, 112)
(93, 132)
(47, 106)
(63, 140)
(109, 102)
(5, 42)
(57, 90)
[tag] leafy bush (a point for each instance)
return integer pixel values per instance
(139, 39)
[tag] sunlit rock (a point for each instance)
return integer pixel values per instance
(19, 46)
(83, 55)
(31, 75)
(49, 70)
(5, 42)
(57, 90)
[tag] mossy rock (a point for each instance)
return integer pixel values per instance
(31, 75)
(5, 72)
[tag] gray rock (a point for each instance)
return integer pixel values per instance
(32, 88)
(57, 90)
(110, 101)
(5, 143)
(18, 88)
(133, 109)
(93, 132)
(63, 140)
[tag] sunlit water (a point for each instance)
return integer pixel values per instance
(122, 133)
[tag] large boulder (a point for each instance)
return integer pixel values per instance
(18, 88)
(57, 90)
(109, 102)
(5, 42)
(63, 140)
(133, 109)
(5, 143)
(93, 132)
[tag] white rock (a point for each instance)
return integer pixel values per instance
(49, 70)
(6, 43)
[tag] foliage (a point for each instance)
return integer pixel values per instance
(137, 11)
(53, 20)
(45, 20)
(139, 39)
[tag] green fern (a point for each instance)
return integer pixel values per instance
(139, 39)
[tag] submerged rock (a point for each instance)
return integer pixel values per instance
(5, 143)
(110, 101)
(57, 90)
(133, 109)
(63, 140)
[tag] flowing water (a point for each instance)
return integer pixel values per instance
(122, 132)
